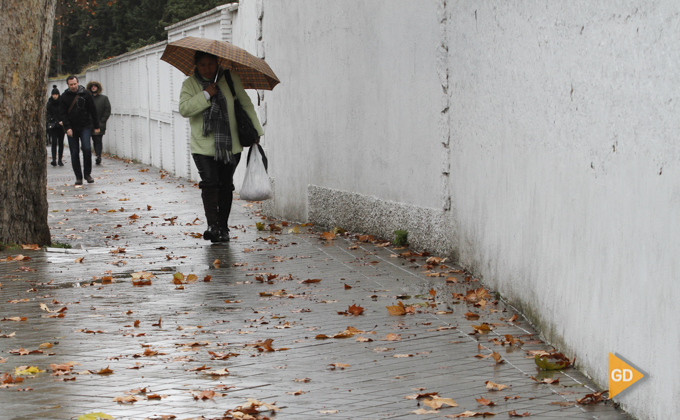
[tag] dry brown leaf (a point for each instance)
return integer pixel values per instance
(466, 414)
(221, 372)
(424, 411)
(513, 413)
(494, 386)
(592, 398)
(128, 399)
(549, 381)
(299, 392)
(392, 337)
(484, 401)
(105, 371)
(355, 310)
(437, 402)
(396, 310)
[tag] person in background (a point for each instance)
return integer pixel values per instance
(79, 116)
(103, 112)
(55, 132)
(207, 102)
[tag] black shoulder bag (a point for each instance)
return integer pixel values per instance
(247, 134)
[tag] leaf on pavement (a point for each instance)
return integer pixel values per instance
(549, 381)
(466, 414)
(424, 411)
(27, 371)
(494, 386)
(513, 413)
(484, 401)
(127, 399)
(95, 416)
(105, 371)
(545, 364)
(396, 310)
(592, 398)
(437, 402)
(355, 310)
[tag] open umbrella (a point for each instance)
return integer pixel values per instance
(254, 72)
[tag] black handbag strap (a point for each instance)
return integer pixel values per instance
(227, 75)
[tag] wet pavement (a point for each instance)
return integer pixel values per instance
(249, 323)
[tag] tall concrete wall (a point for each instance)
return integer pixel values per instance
(535, 141)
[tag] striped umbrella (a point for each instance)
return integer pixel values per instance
(254, 72)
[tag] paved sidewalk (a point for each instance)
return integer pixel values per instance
(177, 341)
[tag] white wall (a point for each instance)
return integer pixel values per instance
(354, 110)
(565, 169)
(557, 125)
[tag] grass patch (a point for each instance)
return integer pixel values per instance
(400, 238)
(60, 245)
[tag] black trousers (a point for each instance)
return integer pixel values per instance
(217, 188)
(56, 136)
(97, 140)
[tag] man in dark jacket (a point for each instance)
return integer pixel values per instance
(79, 115)
(103, 112)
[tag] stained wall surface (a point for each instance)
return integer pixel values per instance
(535, 141)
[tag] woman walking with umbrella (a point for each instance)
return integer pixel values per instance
(207, 101)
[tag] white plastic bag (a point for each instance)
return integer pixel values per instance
(256, 186)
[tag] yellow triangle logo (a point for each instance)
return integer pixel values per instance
(621, 375)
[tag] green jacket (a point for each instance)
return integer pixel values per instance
(192, 102)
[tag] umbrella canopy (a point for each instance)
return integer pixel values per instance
(254, 72)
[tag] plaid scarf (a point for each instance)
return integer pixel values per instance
(216, 120)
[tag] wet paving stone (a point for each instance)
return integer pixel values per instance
(168, 338)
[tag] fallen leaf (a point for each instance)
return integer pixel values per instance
(300, 392)
(355, 310)
(205, 395)
(127, 399)
(392, 337)
(221, 372)
(484, 401)
(437, 402)
(466, 414)
(95, 416)
(592, 398)
(513, 413)
(396, 310)
(339, 366)
(494, 386)
(549, 381)
(105, 371)
(424, 411)
(544, 363)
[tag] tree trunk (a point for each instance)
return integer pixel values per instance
(25, 41)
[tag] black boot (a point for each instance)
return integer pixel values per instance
(210, 199)
(225, 200)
